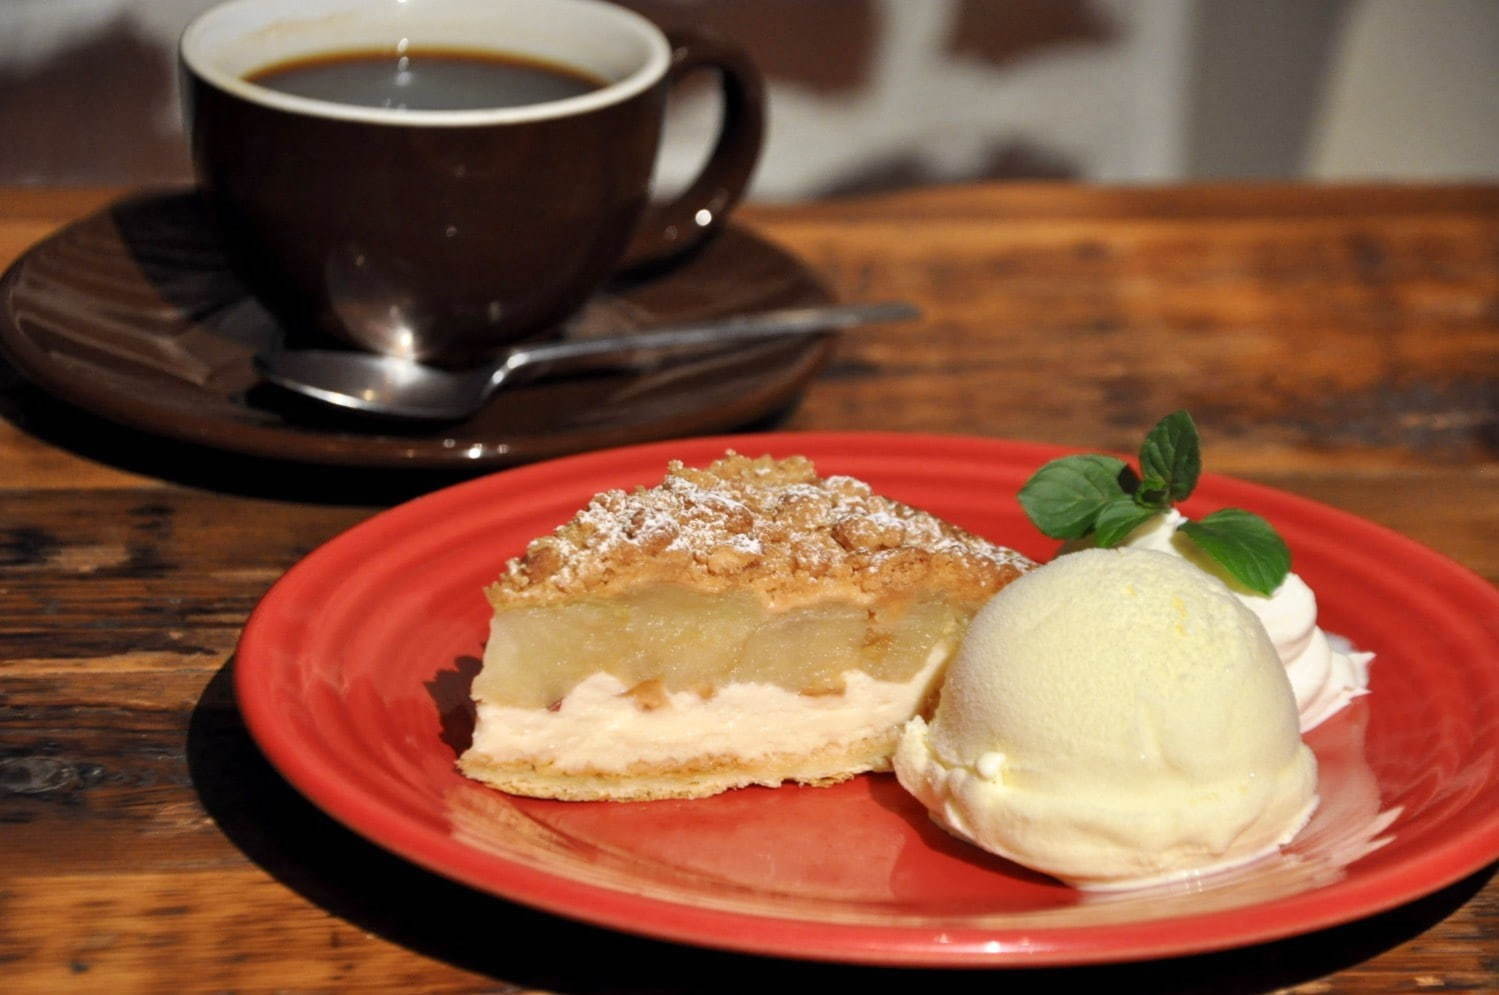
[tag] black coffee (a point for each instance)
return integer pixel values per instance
(427, 79)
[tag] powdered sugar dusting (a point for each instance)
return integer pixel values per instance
(771, 525)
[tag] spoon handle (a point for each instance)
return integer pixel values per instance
(785, 322)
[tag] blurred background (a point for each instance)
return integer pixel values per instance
(871, 95)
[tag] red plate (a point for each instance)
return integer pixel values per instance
(353, 673)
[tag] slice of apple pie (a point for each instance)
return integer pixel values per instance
(747, 623)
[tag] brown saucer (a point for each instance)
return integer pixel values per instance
(133, 314)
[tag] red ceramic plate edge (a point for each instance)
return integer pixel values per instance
(1457, 855)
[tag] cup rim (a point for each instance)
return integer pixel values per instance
(646, 76)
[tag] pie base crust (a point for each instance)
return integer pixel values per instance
(699, 777)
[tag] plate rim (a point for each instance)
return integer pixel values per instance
(1452, 858)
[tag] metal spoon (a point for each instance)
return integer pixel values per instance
(404, 388)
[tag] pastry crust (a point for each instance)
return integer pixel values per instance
(695, 777)
(772, 526)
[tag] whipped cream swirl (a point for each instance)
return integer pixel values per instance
(1325, 671)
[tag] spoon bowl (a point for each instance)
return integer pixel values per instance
(377, 384)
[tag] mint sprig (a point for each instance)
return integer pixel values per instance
(1171, 458)
(1065, 497)
(1245, 545)
(1103, 497)
(1117, 519)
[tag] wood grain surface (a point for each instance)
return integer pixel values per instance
(1339, 343)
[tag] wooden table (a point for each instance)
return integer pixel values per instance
(1339, 343)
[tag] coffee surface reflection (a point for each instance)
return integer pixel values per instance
(427, 79)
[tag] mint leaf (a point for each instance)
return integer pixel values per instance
(1152, 494)
(1245, 545)
(1172, 454)
(1118, 519)
(1064, 497)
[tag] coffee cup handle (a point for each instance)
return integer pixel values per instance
(670, 228)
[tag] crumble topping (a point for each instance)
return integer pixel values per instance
(769, 525)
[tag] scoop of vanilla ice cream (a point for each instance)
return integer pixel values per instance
(1114, 718)
(1324, 676)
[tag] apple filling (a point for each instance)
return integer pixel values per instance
(677, 639)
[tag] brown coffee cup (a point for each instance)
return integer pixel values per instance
(446, 234)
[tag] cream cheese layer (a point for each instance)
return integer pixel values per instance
(601, 726)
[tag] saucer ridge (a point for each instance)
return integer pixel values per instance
(133, 313)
